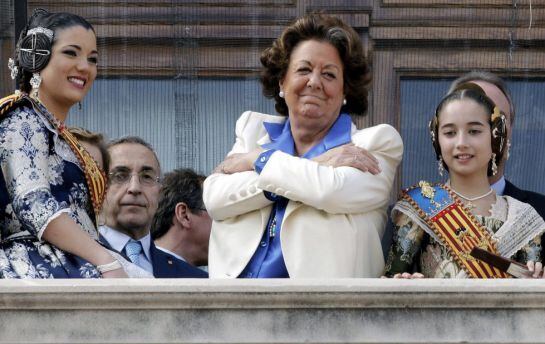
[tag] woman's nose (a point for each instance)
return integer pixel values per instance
(314, 80)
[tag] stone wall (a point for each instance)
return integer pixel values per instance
(272, 311)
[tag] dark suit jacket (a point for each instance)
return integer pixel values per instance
(537, 201)
(168, 266)
(165, 265)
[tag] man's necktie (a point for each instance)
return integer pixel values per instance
(133, 250)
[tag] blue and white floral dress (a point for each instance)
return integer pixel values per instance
(41, 179)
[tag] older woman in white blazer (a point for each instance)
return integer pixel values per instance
(304, 194)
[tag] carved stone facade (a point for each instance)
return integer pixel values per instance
(272, 311)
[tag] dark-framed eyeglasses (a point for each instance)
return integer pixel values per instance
(147, 178)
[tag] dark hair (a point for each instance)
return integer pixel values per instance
(491, 79)
(323, 28)
(133, 140)
(28, 63)
(496, 120)
(96, 139)
(180, 185)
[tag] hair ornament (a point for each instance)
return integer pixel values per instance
(496, 114)
(13, 68)
(40, 29)
(35, 49)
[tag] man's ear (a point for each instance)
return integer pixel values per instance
(181, 211)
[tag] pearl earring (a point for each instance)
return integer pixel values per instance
(344, 101)
(440, 166)
(494, 167)
(281, 94)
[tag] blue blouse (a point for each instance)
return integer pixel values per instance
(268, 261)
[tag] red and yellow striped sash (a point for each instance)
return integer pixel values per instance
(456, 228)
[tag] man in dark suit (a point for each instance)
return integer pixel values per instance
(181, 225)
(131, 202)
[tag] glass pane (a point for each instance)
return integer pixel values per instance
(190, 123)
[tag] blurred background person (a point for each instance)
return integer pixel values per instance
(304, 194)
(94, 144)
(181, 226)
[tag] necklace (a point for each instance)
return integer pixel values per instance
(470, 200)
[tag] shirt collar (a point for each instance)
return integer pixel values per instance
(499, 186)
(169, 252)
(281, 138)
(118, 240)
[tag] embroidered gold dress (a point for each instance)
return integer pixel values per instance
(415, 248)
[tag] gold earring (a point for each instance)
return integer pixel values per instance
(494, 166)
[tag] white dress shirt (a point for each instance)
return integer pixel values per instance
(118, 240)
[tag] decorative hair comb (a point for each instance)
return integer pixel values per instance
(40, 29)
(497, 113)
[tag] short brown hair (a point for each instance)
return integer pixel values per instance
(323, 28)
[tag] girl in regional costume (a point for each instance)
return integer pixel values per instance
(51, 189)
(438, 225)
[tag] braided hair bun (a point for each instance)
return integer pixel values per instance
(35, 49)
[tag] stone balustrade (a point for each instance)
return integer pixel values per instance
(272, 311)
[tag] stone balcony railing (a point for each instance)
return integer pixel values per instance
(272, 311)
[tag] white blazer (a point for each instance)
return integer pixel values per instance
(335, 217)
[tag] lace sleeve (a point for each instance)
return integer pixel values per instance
(531, 251)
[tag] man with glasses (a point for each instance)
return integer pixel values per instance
(181, 226)
(131, 201)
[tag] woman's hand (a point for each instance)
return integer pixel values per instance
(350, 155)
(536, 268)
(238, 162)
(118, 273)
(407, 275)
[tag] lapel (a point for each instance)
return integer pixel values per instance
(292, 206)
